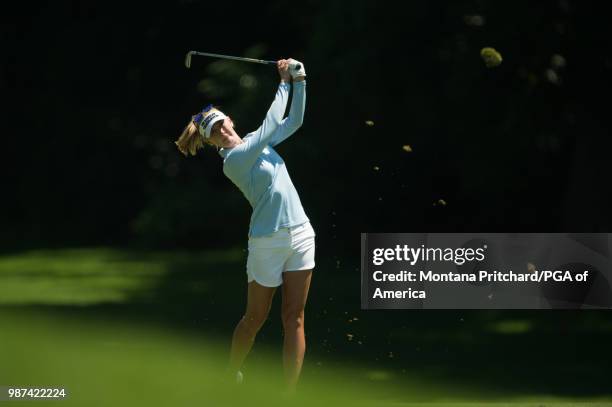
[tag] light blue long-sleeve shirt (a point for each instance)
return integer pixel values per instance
(260, 173)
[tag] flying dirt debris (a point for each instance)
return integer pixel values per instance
(491, 57)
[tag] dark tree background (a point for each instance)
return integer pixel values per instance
(95, 95)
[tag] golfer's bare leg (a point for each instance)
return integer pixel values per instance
(259, 301)
(295, 292)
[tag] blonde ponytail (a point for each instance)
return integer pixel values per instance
(190, 140)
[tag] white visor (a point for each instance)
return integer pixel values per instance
(211, 118)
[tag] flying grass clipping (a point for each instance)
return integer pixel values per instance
(491, 57)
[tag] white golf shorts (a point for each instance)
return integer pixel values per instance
(288, 249)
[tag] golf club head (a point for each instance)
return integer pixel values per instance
(188, 59)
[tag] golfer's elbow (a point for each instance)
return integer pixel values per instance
(299, 121)
(269, 126)
(296, 123)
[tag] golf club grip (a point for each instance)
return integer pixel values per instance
(297, 66)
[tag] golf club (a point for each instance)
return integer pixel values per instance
(257, 61)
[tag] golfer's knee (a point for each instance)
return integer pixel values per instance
(293, 321)
(253, 322)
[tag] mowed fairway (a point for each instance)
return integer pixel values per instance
(125, 328)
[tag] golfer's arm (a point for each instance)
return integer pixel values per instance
(260, 138)
(296, 114)
(277, 108)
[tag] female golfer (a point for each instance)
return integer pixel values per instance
(281, 240)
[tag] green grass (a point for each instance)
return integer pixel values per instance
(90, 276)
(118, 327)
(118, 363)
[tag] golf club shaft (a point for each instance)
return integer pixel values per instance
(208, 54)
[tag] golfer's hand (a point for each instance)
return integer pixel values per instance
(298, 74)
(283, 70)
